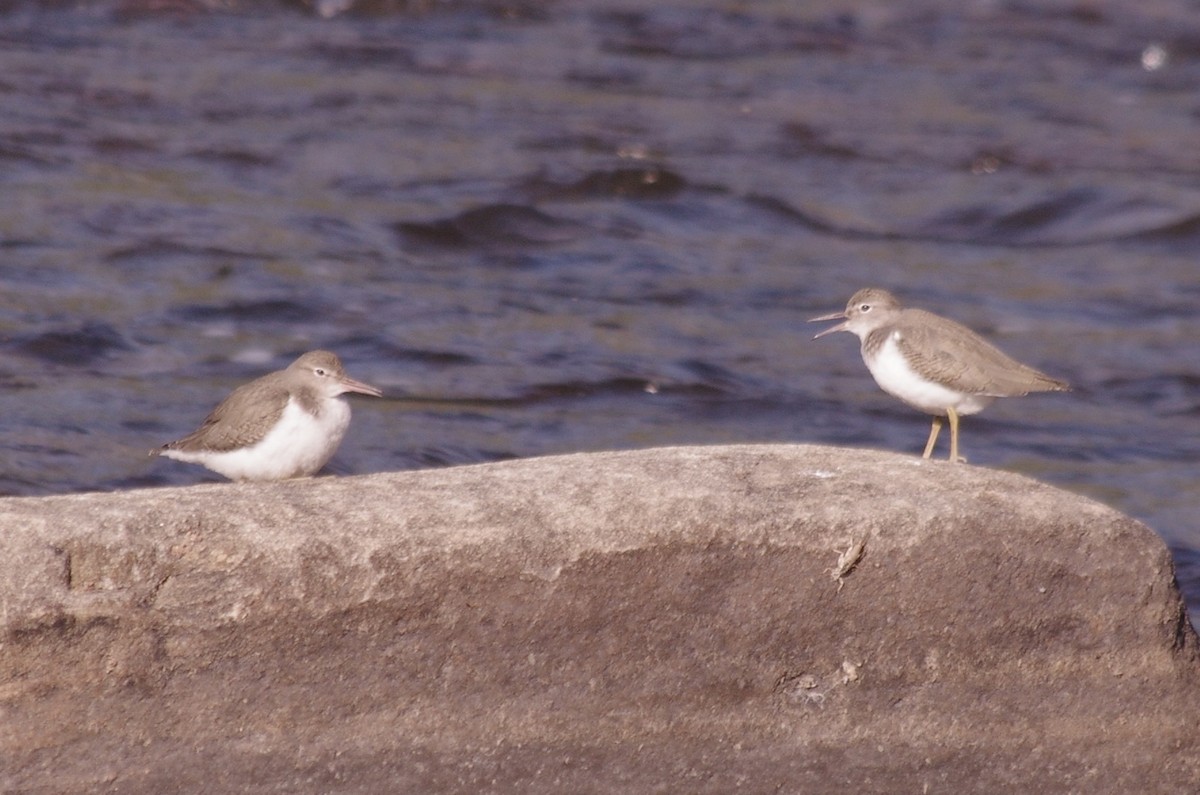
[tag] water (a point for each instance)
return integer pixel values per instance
(552, 227)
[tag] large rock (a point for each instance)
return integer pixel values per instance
(657, 621)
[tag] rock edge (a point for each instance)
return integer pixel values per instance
(650, 621)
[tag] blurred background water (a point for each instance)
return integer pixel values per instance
(545, 227)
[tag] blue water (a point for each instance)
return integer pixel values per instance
(544, 228)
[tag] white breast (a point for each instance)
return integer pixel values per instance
(298, 446)
(894, 376)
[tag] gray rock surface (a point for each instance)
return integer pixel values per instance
(656, 621)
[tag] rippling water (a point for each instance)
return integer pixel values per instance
(550, 227)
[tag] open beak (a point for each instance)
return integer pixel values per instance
(834, 316)
(350, 385)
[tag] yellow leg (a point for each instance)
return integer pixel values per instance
(954, 456)
(933, 435)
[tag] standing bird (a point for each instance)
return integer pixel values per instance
(932, 363)
(284, 425)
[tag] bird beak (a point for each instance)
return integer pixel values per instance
(350, 385)
(835, 316)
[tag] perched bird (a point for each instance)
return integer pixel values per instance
(932, 363)
(284, 425)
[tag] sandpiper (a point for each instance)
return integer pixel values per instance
(932, 363)
(284, 425)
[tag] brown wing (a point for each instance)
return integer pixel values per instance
(256, 406)
(951, 352)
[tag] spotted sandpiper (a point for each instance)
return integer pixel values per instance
(932, 363)
(284, 425)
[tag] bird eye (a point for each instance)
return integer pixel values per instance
(319, 371)
(864, 307)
